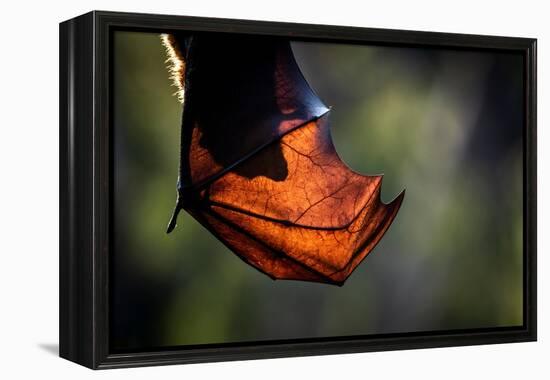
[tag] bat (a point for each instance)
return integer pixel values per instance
(258, 167)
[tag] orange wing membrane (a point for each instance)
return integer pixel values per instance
(258, 167)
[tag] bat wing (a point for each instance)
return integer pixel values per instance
(259, 169)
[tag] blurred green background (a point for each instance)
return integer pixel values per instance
(446, 125)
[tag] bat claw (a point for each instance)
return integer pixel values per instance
(173, 220)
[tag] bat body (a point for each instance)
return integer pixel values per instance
(258, 167)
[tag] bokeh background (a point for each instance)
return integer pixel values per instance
(446, 125)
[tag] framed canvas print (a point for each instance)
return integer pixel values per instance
(237, 189)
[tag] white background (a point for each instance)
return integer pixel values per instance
(29, 187)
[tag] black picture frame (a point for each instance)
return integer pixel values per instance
(86, 193)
